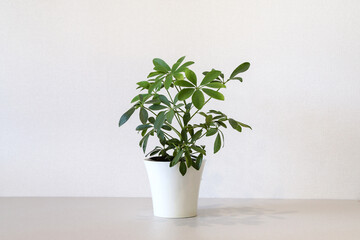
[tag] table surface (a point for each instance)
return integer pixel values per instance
(131, 218)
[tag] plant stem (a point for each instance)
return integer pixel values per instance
(176, 116)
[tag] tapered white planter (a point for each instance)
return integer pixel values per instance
(173, 195)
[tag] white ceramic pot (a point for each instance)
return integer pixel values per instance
(173, 195)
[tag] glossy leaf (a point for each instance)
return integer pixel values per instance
(152, 120)
(198, 99)
(241, 68)
(188, 158)
(142, 127)
(235, 125)
(221, 124)
(145, 143)
(196, 136)
(185, 93)
(166, 127)
(177, 64)
(237, 78)
(137, 97)
(198, 162)
(126, 116)
(215, 85)
(208, 119)
(217, 143)
(198, 149)
(186, 118)
(191, 76)
(183, 83)
(244, 125)
(164, 100)
(161, 65)
(153, 74)
(143, 84)
(176, 158)
(170, 115)
(154, 86)
(182, 168)
(211, 131)
(214, 94)
(184, 135)
(178, 76)
(210, 76)
(168, 81)
(184, 66)
(159, 121)
(156, 107)
(143, 115)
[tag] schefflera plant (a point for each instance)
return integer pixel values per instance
(170, 98)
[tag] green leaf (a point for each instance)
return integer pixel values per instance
(152, 120)
(155, 100)
(143, 96)
(161, 137)
(215, 85)
(176, 158)
(191, 76)
(159, 121)
(208, 119)
(168, 81)
(156, 107)
(155, 86)
(188, 158)
(211, 131)
(183, 83)
(196, 136)
(188, 106)
(178, 76)
(153, 74)
(222, 124)
(185, 93)
(177, 64)
(214, 94)
(235, 125)
(241, 68)
(210, 76)
(143, 84)
(145, 142)
(142, 127)
(164, 100)
(198, 149)
(217, 143)
(166, 127)
(198, 162)
(143, 115)
(170, 115)
(182, 168)
(184, 66)
(161, 65)
(184, 135)
(244, 125)
(237, 78)
(126, 116)
(186, 118)
(198, 99)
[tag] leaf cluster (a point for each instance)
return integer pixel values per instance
(165, 113)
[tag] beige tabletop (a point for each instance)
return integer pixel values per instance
(131, 218)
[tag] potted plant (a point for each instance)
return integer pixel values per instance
(169, 100)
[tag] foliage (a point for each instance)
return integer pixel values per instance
(169, 99)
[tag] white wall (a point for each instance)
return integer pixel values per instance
(68, 71)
